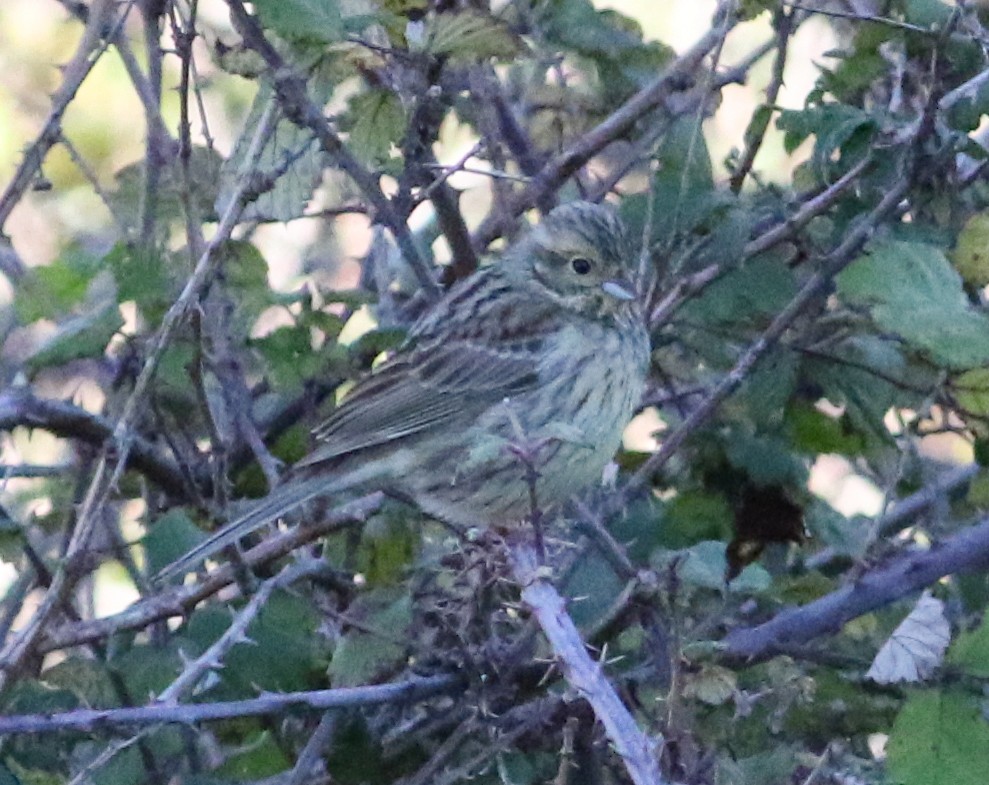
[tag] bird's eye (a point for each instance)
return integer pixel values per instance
(580, 265)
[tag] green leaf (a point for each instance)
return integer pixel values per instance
(288, 355)
(87, 678)
(360, 655)
(291, 152)
(141, 276)
(260, 756)
(517, 768)
(148, 669)
(758, 289)
(470, 36)
(845, 535)
(168, 538)
(837, 128)
(692, 516)
(971, 390)
(204, 167)
(815, 432)
(939, 738)
(765, 459)
(971, 253)
(577, 25)
(388, 546)
(313, 20)
(864, 377)
(594, 581)
(283, 653)
(376, 121)
(77, 338)
(705, 565)
(913, 291)
(779, 765)
(970, 651)
(767, 390)
(245, 274)
(355, 757)
(49, 292)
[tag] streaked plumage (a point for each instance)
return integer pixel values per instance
(546, 349)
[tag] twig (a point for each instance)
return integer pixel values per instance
(90, 48)
(807, 212)
(290, 89)
(907, 510)
(19, 407)
(212, 658)
(836, 261)
(637, 751)
(271, 703)
(563, 165)
(968, 550)
(309, 764)
(178, 602)
(14, 653)
(783, 22)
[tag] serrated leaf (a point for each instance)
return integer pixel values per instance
(360, 655)
(912, 290)
(49, 292)
(141, 276)
(169, 537)
(470, 36)
(376, 121)
(83, 336)
(971, 252)
(291, 151)
(705, 565)
(127, 198)
(312, 20)
(713, 685)
(970, 651)
(939, 738)
(916, 647)
(971, 391)
(259, 757)
(577, 25)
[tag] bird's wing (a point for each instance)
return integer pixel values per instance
(450, 372)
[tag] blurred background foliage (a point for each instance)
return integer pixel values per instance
(808, 184)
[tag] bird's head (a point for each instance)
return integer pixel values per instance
(581, 256)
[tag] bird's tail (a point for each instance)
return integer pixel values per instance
(281, 501)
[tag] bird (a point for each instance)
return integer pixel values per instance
(513, 388)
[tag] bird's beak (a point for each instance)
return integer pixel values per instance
(620, 289)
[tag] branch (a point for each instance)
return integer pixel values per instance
(966, 551)
(290, 89)
(317, 700)
(636, 749)
(818, 283)
(679, 73)
(104, 478)
(74, 73)
(19, 407)
(179, 601)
